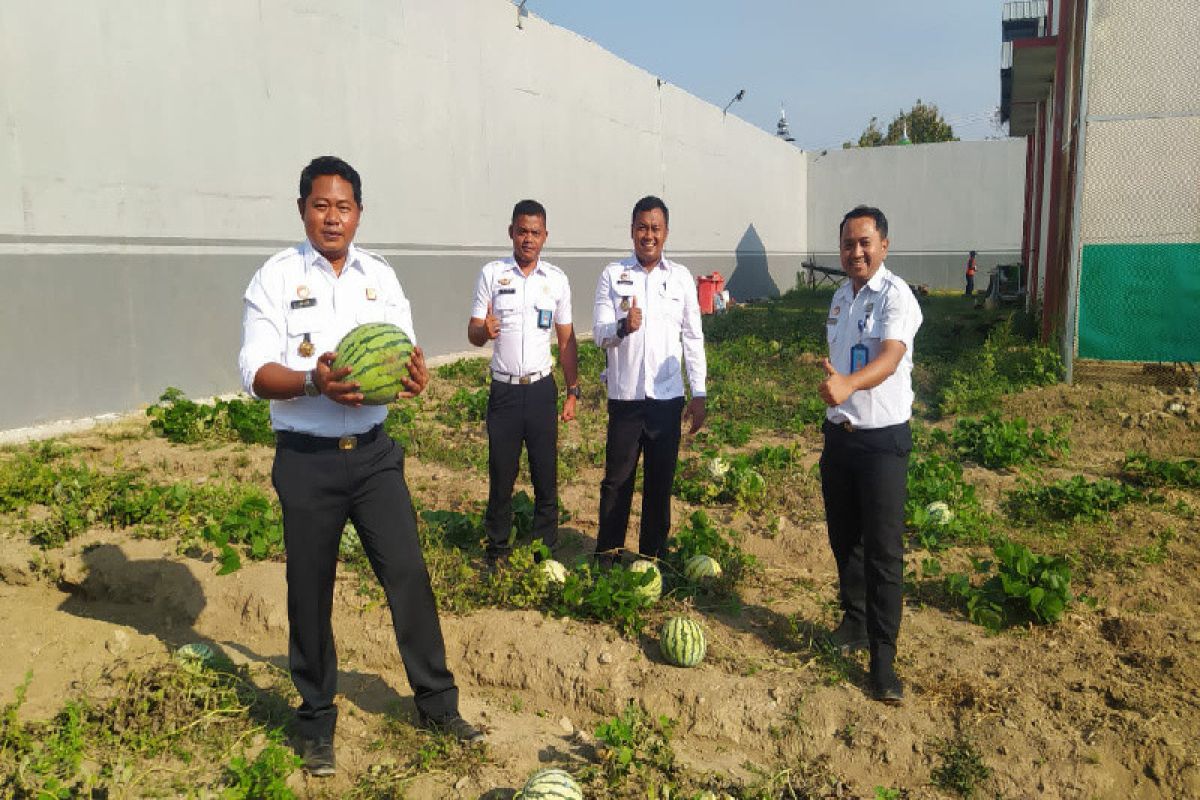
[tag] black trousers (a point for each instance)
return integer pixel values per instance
(970, 285)
(522, 415)
(636, 427)
(319, 487)
(864, 475)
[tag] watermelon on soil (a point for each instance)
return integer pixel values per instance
(377, 354)
(551, 784)
(682, 642)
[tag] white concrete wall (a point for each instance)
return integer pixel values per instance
(941, 200)
(150, 151)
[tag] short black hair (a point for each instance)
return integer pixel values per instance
(529, 208)
(649, 203)
(866, 211)
(329, 165)
(972, 252)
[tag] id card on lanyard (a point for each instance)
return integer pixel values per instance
(858, 353)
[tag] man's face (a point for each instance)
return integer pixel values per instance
(863, 250)
(649, 231)
(331, 216)
(528, 234)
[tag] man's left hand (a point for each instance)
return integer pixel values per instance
(697, 412)
(568, 412)
(418, 375)
(836, 388)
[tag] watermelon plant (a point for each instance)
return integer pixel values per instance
(935, 482)
(1141, 468)
(182, 421)
(1020, 586)
(996, 443)
(636, 745)
(614, 596)
(699, 536)
(1071, 499)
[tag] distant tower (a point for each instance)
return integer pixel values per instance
(904, 138)
(781, 127)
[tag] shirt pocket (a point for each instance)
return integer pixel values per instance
(307, 333)
(507, 306)
(674, 303)
(371, 311)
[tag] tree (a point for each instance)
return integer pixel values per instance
(923, 123)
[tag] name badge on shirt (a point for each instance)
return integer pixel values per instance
(507, 291)
(307, 302)
(625, 283)
(545, 315)
(858, 357)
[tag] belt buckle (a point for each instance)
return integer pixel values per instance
(846, 426)
(347, 443)
(523, 380)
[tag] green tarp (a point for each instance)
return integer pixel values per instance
(1140, 302)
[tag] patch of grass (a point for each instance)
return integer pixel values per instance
(971, 380)
(166, 729)
(961, 769)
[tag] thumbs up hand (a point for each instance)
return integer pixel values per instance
(634, 318)
(836, 388)
(491, 323)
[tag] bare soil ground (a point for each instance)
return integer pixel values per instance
(1104, 704)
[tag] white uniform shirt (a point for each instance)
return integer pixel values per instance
(885, 308)
(523, 346)
(296, 295)
(648, 362)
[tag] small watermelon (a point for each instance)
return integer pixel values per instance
(939, 512)
(653, 590)
(377, 354)
(195, 653)
(555, 571)
(700, 567)
(682, 642)
(551, 784)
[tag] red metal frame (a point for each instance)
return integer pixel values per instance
(1039, 198)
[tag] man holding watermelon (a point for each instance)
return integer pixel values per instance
(872, 322)
(523, 303)
(333, 460)
(647, 319)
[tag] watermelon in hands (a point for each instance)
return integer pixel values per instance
(377, 354)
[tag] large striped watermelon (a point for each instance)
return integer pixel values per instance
(682, 642)
(551, 784)
(652, 591)
(377, 354)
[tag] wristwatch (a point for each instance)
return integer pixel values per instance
(573, 391)
(310, 386)
(622, 327)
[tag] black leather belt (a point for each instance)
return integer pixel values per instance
(315, 444)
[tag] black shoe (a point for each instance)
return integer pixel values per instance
(849, 637)
(496, 560)
(318, 757)
(454, 725)
(885, 686)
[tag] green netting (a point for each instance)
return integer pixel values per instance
(1140, 302)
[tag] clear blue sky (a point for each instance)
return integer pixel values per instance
(832, 65)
